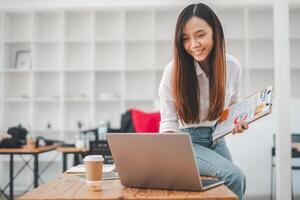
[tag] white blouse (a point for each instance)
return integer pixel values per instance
(169, 118)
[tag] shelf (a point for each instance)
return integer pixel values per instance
(261, 68)
(16, 21)
(261, 39)
(145, 105)
(71, 131)
(295, 38)
(70, 136)
(139, 24)
(16, 41)
(13, 70)
(236, 49)
(261, 54)
(163, 54)
(294, 22)
(139, 69)
(140, 99)
(294, 53)
(113, 23)
(48, 134)
(143, 82)
(170, 40)
(234, 39)
(10, 53)
(78, 85)
(49, 99)
(77, 99)
(262, 78)
(47, 114)
(139, 55)
(78, 25)
(48, 26)
(108, 111)
(46, 70)
(16, 113)
(140, 39)
(108, 85)
(47, 55)
(78, 55)
(46, 41)
(295, 69)
(232, 21)
(294, 115)
(295, 81)
(47, 84)
(260, 23)
(108, 99)
(108, 55)
(72, 70)
(108, 40)
(165, 22)
(1, 25)
(1, 94)
(78, 41)
(16, 99)
(77, 112)
(17, 85)
(46, 131)
(112, 69)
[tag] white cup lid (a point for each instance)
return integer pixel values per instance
(94, 158)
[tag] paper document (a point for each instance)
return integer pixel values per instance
(248, 109)
(81, 169)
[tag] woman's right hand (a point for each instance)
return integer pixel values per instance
(240, 127)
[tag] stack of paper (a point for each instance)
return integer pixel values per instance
(80, 169)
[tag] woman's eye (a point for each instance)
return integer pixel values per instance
(201, 35)
(185, 39)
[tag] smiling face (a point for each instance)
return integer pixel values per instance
(197, 38)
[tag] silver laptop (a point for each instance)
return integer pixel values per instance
(164, 161)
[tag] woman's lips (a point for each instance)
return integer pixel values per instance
(198, 52)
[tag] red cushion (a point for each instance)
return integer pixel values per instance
(145, 122)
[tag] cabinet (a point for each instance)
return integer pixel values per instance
(92, 64)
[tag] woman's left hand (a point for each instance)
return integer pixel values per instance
(240, 127)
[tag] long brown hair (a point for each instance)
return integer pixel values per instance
(186, 91)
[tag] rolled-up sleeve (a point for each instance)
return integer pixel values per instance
(169, 118)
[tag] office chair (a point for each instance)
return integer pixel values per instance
(101, 147)
(295, 154)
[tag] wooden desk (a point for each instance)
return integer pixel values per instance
(70, 150)
(69, 187)
(24, 151)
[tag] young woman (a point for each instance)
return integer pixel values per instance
(196, 86)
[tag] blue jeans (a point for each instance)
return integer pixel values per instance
(214, 159)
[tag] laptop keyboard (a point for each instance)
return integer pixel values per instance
(208, 182)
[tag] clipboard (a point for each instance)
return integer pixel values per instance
(249, 109)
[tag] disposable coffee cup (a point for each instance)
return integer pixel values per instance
(93, 168)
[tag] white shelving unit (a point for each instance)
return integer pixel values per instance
(90, 65)
(294, 52)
